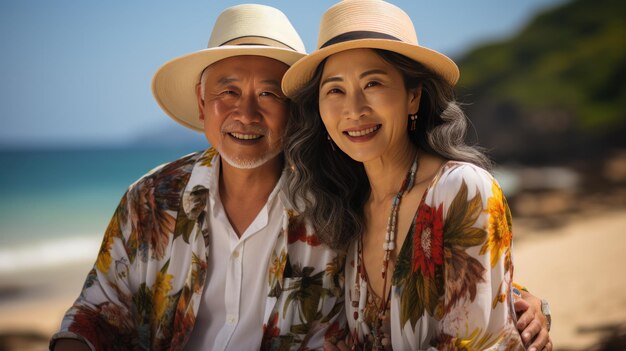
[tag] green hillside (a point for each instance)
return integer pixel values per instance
(560, 83)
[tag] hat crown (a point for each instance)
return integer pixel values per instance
(374, 16)
(253, 24)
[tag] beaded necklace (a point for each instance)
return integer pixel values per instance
(379, 339)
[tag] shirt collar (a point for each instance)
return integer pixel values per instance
(204, 182)
(196, 192)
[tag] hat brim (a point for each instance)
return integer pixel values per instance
(174, 83)
(302, 71)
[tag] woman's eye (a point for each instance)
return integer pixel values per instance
(371, 84)
(334, 91)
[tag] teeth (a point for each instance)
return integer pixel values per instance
(245, 136)
(358, 133)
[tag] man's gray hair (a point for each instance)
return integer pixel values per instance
(202, 81)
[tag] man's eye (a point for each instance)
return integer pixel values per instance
(267, 93)
(228, 92)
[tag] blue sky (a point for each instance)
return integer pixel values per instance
(78, 72)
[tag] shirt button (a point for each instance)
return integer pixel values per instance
(230, 319)
(236, 254)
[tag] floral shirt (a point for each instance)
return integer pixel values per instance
(144, 290)
(452, 281)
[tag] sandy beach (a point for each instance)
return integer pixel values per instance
(33, 304)
(576, 266)
(579, 269)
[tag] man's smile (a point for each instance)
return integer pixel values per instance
(242, 136)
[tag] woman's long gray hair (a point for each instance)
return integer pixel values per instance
(329, 187)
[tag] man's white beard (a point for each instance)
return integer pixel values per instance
(250, 163)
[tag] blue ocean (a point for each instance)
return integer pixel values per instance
(56, 204)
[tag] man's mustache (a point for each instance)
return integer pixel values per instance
(238, 127)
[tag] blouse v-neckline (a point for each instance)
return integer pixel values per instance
(411, 227)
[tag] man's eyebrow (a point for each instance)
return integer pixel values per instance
(272, 82)
(226, 80)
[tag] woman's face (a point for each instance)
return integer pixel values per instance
(365, 105)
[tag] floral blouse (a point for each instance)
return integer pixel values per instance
(452, 281)
(144, 290)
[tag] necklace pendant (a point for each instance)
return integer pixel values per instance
(385, 342)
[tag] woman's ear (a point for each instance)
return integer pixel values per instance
(414, 97)
(200, 100)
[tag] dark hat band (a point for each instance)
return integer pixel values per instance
(255, 40)
(356, 35)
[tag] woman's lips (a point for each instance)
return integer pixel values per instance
(362, 134)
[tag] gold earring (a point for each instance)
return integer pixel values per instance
(413, 119)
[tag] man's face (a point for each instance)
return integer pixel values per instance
(244, 110)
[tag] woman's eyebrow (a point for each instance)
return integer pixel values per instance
(331, 79)
(372, 71)
(361, 76)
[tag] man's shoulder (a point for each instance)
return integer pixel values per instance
(171, 175)
(183, 164)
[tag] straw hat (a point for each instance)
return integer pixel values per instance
(374, 24)
(247, 29)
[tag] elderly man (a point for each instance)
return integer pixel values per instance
(206, 252)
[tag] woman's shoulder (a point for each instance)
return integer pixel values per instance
(456, 176)
(457, 171)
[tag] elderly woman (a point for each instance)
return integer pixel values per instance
(376, 145)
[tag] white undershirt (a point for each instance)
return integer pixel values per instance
(230, 316)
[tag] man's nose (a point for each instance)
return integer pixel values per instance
(249, 109)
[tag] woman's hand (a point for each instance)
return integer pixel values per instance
(531, 323)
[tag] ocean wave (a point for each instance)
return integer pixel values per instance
(46, 254)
